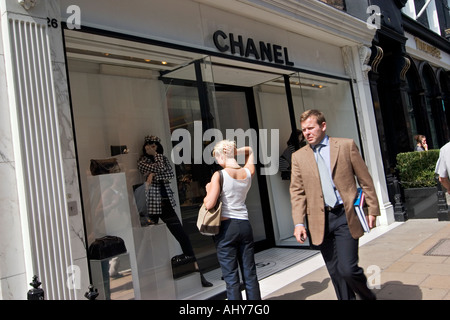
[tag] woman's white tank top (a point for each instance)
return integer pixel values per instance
(234, 193)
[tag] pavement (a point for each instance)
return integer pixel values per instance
(403, 261)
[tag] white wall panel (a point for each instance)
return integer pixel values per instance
(41, 176)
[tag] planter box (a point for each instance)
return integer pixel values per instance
(421, 203)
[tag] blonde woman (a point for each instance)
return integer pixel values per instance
(234, 243)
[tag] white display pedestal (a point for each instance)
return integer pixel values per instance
(147, 247)
(104, 283)
(154, 268)
(188, 285)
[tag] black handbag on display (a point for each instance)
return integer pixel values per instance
(104, 166)
(106, 247)
(182, 265)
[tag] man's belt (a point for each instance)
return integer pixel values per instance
(335, 208)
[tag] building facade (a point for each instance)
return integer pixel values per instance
(410, 81)
(87, 80)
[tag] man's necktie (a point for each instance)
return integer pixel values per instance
(327, 185)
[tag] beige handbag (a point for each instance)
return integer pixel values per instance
(208, 221)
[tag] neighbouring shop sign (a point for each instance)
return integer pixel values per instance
(249, 48)
(425, 47)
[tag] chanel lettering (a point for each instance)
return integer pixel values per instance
(261, 51)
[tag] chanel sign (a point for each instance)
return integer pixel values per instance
(249, 48)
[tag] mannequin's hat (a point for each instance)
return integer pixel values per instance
(149, 139)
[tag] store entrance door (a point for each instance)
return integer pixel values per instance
(195, 104)
(235, 116)
(189, 92)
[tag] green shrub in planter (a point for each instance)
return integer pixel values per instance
(416, 169)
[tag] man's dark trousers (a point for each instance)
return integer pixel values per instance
(340, 252)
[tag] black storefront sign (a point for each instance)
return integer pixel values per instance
(261, 51)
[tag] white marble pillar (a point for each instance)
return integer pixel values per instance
(37, 163)
(355, 61)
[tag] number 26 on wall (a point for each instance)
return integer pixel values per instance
(52, 23)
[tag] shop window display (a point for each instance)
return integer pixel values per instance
(120, 106)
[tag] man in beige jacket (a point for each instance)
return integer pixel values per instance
(334, 227)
